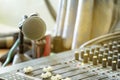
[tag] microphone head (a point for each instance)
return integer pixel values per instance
(34, 28)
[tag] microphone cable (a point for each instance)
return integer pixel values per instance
(15, 45)
(11, 52)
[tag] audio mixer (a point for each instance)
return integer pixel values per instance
(97, 61)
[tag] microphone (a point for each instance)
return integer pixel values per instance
(34, 28)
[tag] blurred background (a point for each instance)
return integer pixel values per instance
(12, 11)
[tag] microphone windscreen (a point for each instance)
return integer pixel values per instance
(34, 28)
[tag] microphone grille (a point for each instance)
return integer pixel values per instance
(34, 28)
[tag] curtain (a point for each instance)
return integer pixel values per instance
(88, 19)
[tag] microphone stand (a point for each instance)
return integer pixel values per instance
(20, 56)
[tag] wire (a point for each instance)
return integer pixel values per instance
(11, 52)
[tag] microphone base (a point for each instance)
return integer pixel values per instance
(18, 58)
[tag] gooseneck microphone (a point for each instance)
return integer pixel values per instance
(34, 28)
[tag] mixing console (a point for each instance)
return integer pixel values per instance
(100, 61)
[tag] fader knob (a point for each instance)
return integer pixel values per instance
(104, 62)
(82, 53)
(109, 61)
(105, 45)
(100, 56)
(114, 58)
(118, 55)
(88, 51)
(28, 69)
(114, 48)
(106, 50)
(110, 46)
(118, 63)
(101, 51)
(118, 47)
(105, 55)
(96, 53)
(115, 52)
(92, 50)
(59, 77)
(94, 60)
(97, 48)
(114, 65)
(76, 55)
(110, 53)
(85, 60)
(115, 43)
(119, 42)
(91, 56)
